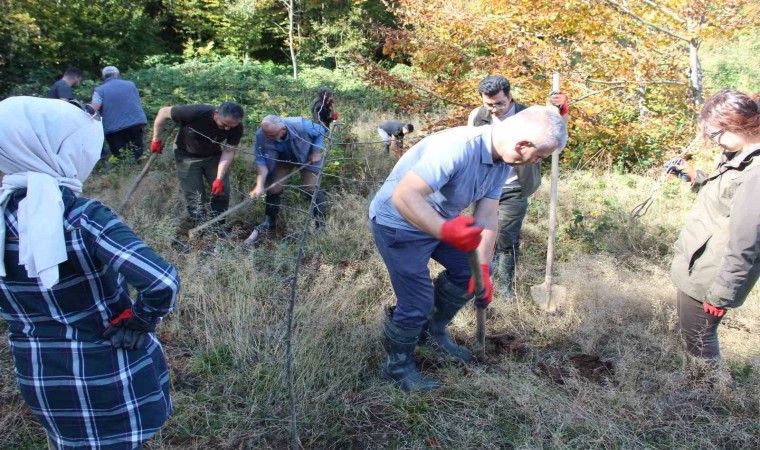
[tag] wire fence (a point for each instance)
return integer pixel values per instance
(293, 244)
(289, 250)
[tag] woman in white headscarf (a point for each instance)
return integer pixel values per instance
(87, 362)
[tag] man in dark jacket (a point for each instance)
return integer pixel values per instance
(283, 145)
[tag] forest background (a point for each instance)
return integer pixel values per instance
(607, 373)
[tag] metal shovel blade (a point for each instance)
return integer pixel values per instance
(550, 300)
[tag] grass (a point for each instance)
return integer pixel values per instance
(226, 348)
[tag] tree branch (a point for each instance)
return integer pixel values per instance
(618, 83)
(670, 13)
(576, 100)
(625, 10)
(591, 80)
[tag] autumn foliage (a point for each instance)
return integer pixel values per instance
(626, 66)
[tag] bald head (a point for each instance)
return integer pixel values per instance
(273, 127)
(530, 135)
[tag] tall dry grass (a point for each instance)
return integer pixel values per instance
(634, 388)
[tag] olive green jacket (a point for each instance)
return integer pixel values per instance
(717, 255)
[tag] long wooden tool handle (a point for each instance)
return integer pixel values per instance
(552, 211)
(135, 184)
(477, 275)
(220, 217)
(192, 233)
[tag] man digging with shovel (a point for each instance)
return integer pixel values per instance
(415, 216)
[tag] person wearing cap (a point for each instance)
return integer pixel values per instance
(206, 144)
(61, 89)
(88, 363)
(522, 182)
(416, 216)
(392, 132)
(118, 102)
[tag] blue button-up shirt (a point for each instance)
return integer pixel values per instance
(458, 166)
(302, 138)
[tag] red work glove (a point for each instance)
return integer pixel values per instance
(559, 99)
(481, 301)
(217, 187)
(461, 233)
(714, 310)
(128, 332)
(155, 146)
(335, 116)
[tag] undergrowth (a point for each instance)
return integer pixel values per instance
(608, 372)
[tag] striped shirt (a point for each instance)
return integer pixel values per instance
(85, 392)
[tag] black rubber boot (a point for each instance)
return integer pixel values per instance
(272, 208)
(506, 270)
(399, 366)
(449, 299)
(318, 211)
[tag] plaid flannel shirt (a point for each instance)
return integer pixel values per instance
(85, 392)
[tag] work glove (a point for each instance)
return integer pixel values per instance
(128, 332)
(155, 146)
(217, 187)
(674, 166)
(461, 233)
(714, 310)
(559, 99)
(482, 299)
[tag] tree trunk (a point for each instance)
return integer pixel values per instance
(291, 8)
(641, 94)
(695, 71)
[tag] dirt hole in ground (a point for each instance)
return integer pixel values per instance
(588, 367)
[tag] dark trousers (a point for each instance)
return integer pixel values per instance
(128, 139)
(275, 188)
(406, 255)
(698, 328)
(512, 210)
(192, 172)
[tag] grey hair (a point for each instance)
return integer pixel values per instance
(272, 120)
(110, 72)
(548, 127)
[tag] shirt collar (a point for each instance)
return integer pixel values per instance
(509, 114)
(735, 160)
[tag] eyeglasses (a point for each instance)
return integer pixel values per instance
(222, 125)
(496, 105)
(715, 135)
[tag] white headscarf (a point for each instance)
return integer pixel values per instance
(44, 144)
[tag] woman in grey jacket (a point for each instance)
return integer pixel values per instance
(717, 255)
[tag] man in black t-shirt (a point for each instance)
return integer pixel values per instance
(204, 149)
(61, 89)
